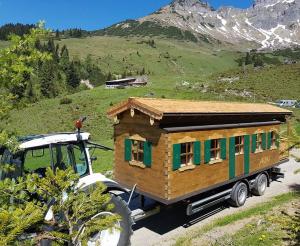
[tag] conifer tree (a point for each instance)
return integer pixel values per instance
(73, 79)
(47, 76)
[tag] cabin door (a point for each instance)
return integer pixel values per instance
(232, 158)
(239, 160)
(246, 154)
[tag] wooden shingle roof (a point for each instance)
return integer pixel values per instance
(157, 108)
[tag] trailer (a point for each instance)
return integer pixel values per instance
(195, 154)
(175, 150)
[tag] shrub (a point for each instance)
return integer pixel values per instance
(65, 100)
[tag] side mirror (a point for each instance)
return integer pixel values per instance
(94, 158)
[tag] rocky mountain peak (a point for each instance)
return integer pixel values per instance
(268, 23)
(190, 4)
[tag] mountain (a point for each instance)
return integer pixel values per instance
(266, 24)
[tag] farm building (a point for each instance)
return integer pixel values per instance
(175, 149)
(126, 82)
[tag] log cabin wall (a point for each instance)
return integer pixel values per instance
(193, 178)
(150, 181)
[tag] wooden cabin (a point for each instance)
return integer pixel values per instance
(174, 149)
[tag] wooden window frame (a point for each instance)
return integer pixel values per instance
(189, 155)
(138, 150)
(215, 150)
(239, 147)
(273, 140)
(259, 141)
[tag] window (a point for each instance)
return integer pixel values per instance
(137, 150)
(239, 145)
(186, 154)
(259, 141)
(215, 150)
(273, 139)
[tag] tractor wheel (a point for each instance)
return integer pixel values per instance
(239, 195)
(260, 184)
(114, 237)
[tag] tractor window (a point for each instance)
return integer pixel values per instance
(10, 165)
(71, 155)
(80, 160)
(37, 160)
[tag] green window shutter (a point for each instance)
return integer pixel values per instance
(269, 138)
(253, 146)
(277, 140)
(147, 154)
(197, 153)
(207, 146)
(231, 157)
(223, 148)
(128, 149)
(264, 140)
(176, 156)
(246, 154)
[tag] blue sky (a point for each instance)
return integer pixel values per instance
(86, 14)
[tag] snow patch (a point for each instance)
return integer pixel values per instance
(224, 22)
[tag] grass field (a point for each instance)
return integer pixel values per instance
(169, 62)
(269, 225)
(269, 83)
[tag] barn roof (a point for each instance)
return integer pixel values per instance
(158, 108)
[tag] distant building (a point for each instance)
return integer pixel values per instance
(286, 103)
(126, 82)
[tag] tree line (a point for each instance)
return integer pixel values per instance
(34, 67)
(18, 29)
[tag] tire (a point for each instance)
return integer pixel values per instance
(114, 237)
(126, 223)
(260, 184)
(239, 195)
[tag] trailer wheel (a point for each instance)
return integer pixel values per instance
(260, 184)
(239, 195)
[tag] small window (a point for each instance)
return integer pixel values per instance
(215, 150)
(259, 142)
(137, 151)
(273, 139)
(239, 145)
(186, 154)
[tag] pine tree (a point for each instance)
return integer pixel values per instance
(258, 61)
(64, 58)
(248, 59)
(47, 80)
(28, 213)
(57, 36)
(73, 79)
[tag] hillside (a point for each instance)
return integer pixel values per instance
(166, 62)
(265, 84)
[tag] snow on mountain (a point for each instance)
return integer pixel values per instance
(268, 23)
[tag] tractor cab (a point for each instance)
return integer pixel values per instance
(37, 153)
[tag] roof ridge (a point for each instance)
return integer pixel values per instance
(199, 100)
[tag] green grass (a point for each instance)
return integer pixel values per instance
(170, 62)
(268, 84)
(260, 210)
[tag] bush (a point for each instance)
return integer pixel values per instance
(65, 100)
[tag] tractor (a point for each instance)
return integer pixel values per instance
(70, 150)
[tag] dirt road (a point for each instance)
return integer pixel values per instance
(165, 227)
